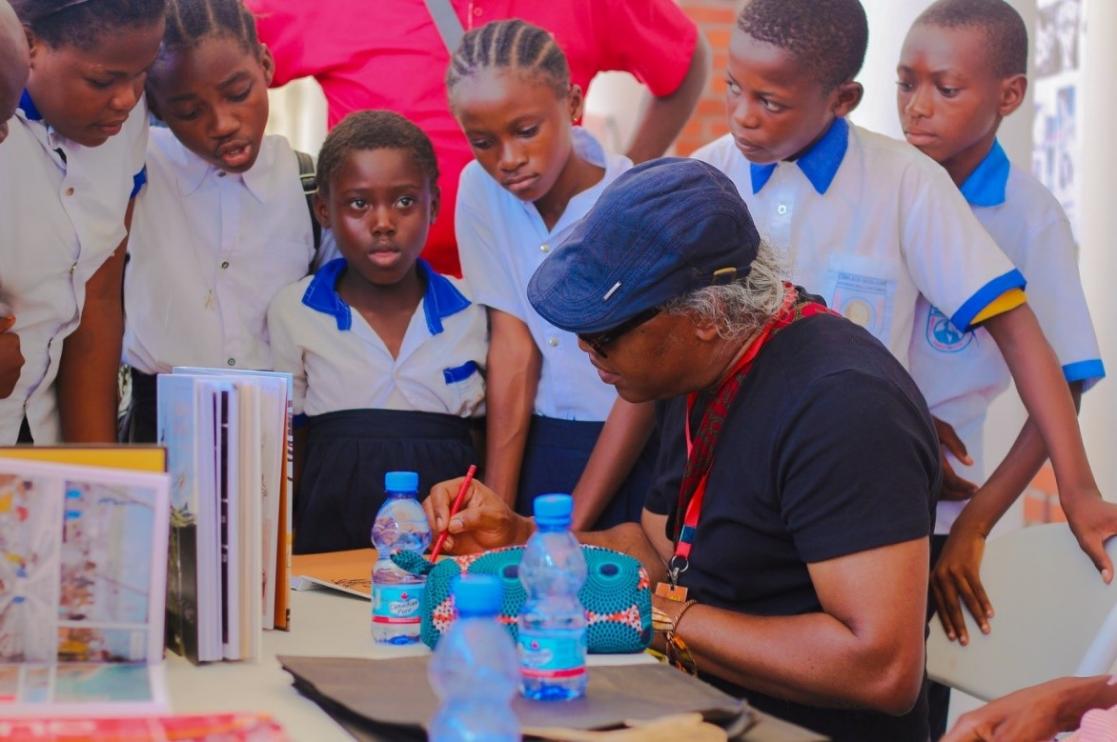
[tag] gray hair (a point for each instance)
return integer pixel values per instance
(742, 307)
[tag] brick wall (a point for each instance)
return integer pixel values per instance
(715, 19)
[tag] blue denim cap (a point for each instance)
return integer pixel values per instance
(661, 230)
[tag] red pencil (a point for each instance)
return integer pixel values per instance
(454, 508)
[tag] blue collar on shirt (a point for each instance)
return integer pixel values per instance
(440, 300)
(30, 110)
(986, 184)
(820, 163)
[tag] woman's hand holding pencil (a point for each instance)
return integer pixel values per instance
(482, 520)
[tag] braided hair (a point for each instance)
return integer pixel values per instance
(191, 21)
(82, 23)
(510, 44)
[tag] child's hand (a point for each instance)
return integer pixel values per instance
(11, 358)
(1093, 522)
(1032, 713)
(958, 573)
(954, 487)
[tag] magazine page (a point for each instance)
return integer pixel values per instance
(79, 689)
(82, 563)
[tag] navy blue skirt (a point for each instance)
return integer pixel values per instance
(555, 456)
(341, 485)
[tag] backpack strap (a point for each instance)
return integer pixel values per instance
(309, 180)
(448, 23)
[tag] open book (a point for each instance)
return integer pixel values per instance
(227, 448)
(82, 587)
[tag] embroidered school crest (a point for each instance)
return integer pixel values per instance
(943, 336)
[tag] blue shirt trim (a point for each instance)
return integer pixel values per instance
(30, 110)
(460, 373)
(986, 295)
(321, 294)
(1090, 371)
(138, 181)
(986, 184)
(440, 300)
(820, 163)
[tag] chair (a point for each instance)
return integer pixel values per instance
(1053, 617)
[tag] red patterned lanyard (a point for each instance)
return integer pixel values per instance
(700, 453)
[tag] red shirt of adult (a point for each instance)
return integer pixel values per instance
(389, 54)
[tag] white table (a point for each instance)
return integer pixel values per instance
(329, 624)
(324, 624)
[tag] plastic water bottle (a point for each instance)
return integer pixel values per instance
(474, 669)
(552, 622)
(400, 525)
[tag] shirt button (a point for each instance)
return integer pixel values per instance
(220, 173)
(224, 264)
(73, 267)
(781, 209)
(553, 342)
(478, 12)
(232, 361)
(70, 191)
(544, 247)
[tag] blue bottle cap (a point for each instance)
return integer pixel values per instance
(477, 595)
(401, 481)
(553, 510)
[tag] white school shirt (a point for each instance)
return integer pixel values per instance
(208, 251)
(62, 208)
(870, 223)
(501, 242)
(338, 362)
(961, 373)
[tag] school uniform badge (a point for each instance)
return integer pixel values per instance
(943, 336)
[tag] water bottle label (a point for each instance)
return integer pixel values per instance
(551, 656)
(396, 604)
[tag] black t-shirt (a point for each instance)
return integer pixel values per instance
(828, 450)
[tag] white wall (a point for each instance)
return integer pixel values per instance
(1098, 229)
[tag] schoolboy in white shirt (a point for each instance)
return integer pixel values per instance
(871, 224)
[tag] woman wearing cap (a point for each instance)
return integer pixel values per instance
(793, 494)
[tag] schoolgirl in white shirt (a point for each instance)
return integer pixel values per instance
(222, 224)
(71, 163)
(535, 175)
(387, 355)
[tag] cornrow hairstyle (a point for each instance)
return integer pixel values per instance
(1002, 25)
(191, 21)
(82, 23)
(828, 38)
(510, 44)
(368, 130)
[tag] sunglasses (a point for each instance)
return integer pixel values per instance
(599, 341)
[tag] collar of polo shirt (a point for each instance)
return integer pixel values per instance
(986, 184)
(820, 163)
(440, 300)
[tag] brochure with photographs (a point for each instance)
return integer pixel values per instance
(82, 588)
(227, 443)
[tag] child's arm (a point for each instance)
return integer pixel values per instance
(958, 571)
(513, 377)
(1040, 383)
(622, 439)
(90, 362)
(11, 358)
(1038, 712)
